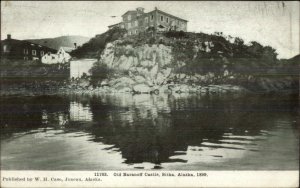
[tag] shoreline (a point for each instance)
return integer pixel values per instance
(165, 89)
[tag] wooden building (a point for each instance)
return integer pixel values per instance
(21, 49)
(136, 21)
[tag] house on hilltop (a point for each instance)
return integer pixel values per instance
(21, 49)
(136, 21)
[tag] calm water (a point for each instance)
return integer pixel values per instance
(175, 132)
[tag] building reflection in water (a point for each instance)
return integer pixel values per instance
(56, 119)
(78, 112)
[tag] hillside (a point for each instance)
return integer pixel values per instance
(56, 43)
(185, 60)
(94, 47)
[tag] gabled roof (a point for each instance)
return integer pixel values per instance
(67, 49)
(15, 41)
(114, 24)
(129, 12)
(170, 15)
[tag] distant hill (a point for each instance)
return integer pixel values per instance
(295, 59)
(65, 41)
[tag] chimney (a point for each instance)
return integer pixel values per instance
(8, 36)
(140, 9)
(75, 45)
(156, 8)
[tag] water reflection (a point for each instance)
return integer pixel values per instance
(149, 132)
(78, 112)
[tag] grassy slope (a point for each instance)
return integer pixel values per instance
(19, 77)
(96, 45)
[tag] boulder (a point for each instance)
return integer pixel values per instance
(166, 72)
(184, 88)
(104, 83)
(155, 90)
(143, 71)
(237, 88)
(126, 63)
(164, 89)
(139, 79)
(193, 89)
(124, 90)
(135, 61)
(182, 76)
(83, 83)
(176, 89)
(226, 73)
(146, 63)
(211, 75)
(203, 90)
(153, 71)
(160, 78)
(213, 90)
(149, 82)
(123, 81)
(141, 88)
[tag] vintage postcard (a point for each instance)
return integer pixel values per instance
(149, 93)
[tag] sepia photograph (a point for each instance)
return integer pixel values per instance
(174, 91)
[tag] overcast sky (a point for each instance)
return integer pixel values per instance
(270, 23)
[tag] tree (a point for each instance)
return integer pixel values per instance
(269, 54)
(255, 49)
(99, 72)
(238, 41)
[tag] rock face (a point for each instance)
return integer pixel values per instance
(144, 60)
(149, 69)
(141, 88)
(147, 65)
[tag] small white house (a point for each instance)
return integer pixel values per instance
(60, 57)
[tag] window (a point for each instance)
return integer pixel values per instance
(181, 24)
(33, 52)
(167, 19)
(42, 53)
(136, 31)
(146, 19)
(129, 17)
(5, 48)
(162, 18)
(136, 23)
(129, 25)
(25, 51)
(152, 17)
(25, 58)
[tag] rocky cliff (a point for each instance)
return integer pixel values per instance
(185, 62)
(151, 68)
